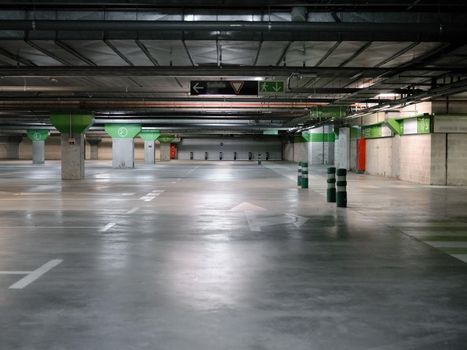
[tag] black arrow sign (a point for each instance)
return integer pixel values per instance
(223, 87)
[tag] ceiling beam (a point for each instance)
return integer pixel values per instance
(118, 52)
(47, 53)
(17, 58)
(225, 30)
(73, 52)
(328, 53)
(340, 5)
(282, 57)
(237, 71)
(147, 53)
(398, 54)
(356, 54)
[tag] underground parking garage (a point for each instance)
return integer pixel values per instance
(233, 174)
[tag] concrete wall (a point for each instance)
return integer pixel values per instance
(414, 158)
(9, 147)
(418, 158)
(300, 151)
(105, 149)
(456, 159)
(288, 151)
(295, 151)
(227, 145)
(52, 148)
(379, 157)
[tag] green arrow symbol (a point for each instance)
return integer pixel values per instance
(277, 87)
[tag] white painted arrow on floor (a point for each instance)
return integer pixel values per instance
(258, 217)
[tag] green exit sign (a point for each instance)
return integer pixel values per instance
(270, 87)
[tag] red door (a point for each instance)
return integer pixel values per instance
(173, 151)
(361, 156)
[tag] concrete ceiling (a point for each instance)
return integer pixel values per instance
(135, 59)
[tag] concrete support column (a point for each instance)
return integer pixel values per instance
(94, 146)
(329, 145)
(123, 147)
(72, 156)
(342, 148)
(320, 142)
(38, 138)
(158, 151)
(165, 152)
(38, 152)
(165, 146)
(149, 138)
(72, 128)
(13, 149)
(149, 152)
(123, 153)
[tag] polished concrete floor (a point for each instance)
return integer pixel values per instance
(222, 255)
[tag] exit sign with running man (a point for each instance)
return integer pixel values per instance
(270, 87)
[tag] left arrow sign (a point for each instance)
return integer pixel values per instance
(196, 88)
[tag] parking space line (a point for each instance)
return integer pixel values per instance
(132, 210)
(107, 227)
(151, 195)
(48, 227)
(34, 275)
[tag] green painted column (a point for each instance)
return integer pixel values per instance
(38, 137)
(149, 138)
(72, 127)
(165, 141)
(123, 146)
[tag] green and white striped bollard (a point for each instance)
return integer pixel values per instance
(304, 174)
(341, 193)
(299, 177)
(331, 191)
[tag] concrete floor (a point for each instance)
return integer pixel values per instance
(220, 255)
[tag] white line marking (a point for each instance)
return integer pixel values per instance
(107, 227)
(34, 275)
(449, 244)
(251, 223)
(14, 272)
(428, 225)
(462, 257)
(47, 227)
(132, 210)
(151, 195)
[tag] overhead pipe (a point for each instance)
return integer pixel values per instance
(227, 26)
(235, 72)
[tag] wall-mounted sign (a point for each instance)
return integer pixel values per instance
(223, 87)
(270, 87)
